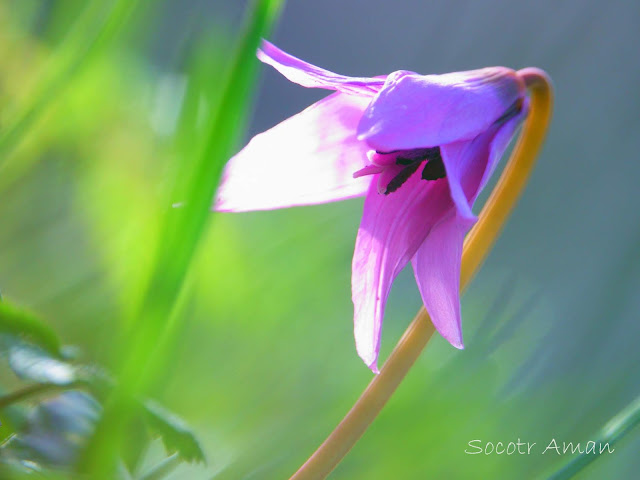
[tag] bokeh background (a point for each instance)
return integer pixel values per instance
(264, 364)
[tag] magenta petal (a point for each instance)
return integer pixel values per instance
(465, 163)
(308, 159)
(501, 141)
(436, 265)
(307, 75)
(417, 111)
(392, 228)
(469, 164)
(437, 262)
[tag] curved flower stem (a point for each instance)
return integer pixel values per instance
(476, 247)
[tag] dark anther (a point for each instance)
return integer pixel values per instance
(408, 157)
(411, 161)
(434, 169)
(402, 177)
(511, 112)
(407, 161)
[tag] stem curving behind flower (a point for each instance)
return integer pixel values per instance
(476, 247)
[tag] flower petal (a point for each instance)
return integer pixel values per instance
(436, 265)
(457, 158)
(308, 159)
(307, 75)
(392, 228)
(501, 141)
(469, 164)
(418, 111)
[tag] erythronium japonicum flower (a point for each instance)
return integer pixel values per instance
(418, 147)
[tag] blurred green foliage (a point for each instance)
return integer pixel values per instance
(247, 319)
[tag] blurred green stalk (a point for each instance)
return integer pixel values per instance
(79, 48)
(179, 235)
(611, 433)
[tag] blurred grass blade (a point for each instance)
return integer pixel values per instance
(196, 181)
(613, 432)
(83, 43)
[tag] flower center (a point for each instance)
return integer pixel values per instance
(407, 162)
(396, 167)
(411, 160)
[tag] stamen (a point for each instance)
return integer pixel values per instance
(434, 169)
(407, 161)
(397, 181)
(419, 154)
(411, 160)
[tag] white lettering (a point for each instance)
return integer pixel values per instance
(575, 449)
(606, 445)
(474, 446)
(554, 445)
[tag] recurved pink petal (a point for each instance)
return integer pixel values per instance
(307, 75)
(392, 228)
(436, 265)
(501, 141)
(470, 163)
(458, 158)
(308, 159)
(417, 111)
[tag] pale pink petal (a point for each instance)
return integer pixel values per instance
(436, 265)
(307, 75)
(417, 111)
(469, 164)
(458, 157)
(308, 159)
(501, 141)
(392, 228)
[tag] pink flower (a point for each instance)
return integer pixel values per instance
(419, 148)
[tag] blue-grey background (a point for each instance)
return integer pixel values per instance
(267, 365)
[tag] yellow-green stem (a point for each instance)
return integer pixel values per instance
(476, 247)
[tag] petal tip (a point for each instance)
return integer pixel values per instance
(454, 337)
(466, 215)
(373, 366)
(263, 50)
(369, 357)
